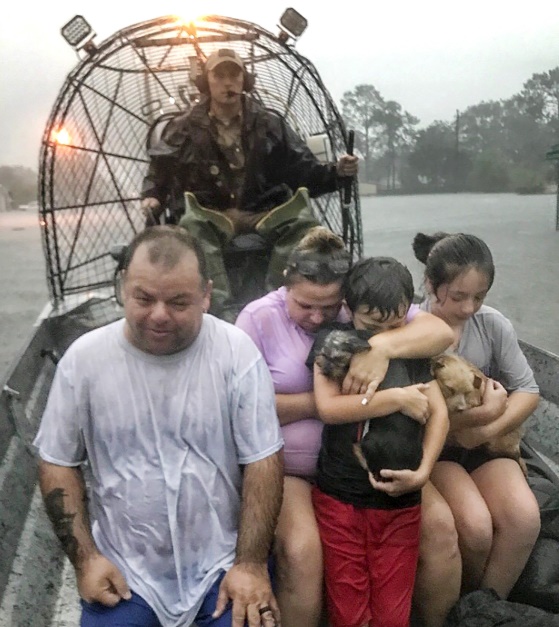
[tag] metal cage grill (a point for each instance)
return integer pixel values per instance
(94, 158)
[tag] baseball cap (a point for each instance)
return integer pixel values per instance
(223, 55)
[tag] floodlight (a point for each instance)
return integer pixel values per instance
(79, 34)
(292, 24)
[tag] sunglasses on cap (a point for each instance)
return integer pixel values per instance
(314, 267)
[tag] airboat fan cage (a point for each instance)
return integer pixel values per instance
(94, 149)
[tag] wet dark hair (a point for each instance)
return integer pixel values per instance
(446, 256)
(167, 244)
(381, 283)
(320, 257)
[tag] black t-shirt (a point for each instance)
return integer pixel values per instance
(339, 473)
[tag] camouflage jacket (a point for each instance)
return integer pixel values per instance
(277, 162)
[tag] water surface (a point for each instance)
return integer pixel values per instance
(520, 230)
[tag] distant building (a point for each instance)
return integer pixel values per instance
(367, 189)
(6, 202)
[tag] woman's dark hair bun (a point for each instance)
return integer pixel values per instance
(422, 244)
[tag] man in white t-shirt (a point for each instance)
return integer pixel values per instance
(171, 414)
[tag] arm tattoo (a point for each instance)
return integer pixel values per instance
(62, 522)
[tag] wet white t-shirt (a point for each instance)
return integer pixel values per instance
(165, 438)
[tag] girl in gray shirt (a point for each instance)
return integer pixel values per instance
(495, 512)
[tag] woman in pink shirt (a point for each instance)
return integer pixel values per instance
(283, 325)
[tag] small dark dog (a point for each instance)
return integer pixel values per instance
(337, 351)
(463, 386)
(392, 442)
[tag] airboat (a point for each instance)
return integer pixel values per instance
(112, 106)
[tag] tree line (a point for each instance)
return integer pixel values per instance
(494, 146)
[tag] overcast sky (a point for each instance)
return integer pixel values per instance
(433, 57)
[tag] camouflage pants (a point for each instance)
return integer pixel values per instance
(281, 229)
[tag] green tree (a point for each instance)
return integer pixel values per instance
(360, 109)
(396, 134)
(527, 139)
(481, 127)
(541, 97)
(382, 129)
(490, 146)
(431, 160)
(508, 140)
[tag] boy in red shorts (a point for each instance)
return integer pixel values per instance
(369, 520)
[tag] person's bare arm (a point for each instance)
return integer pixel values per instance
(436, 428)
(294, 407)
(261, 503)
(425, 336)
(519, 407)
(334, 407)
(247, 583)
(65, 500)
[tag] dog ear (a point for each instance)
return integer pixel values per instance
(437, 363)
(477, 381)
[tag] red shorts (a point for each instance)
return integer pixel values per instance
(370, 560)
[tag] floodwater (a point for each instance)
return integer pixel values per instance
(22, 282)
(520, 230)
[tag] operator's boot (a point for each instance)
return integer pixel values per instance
(284, 227)
(214, 231)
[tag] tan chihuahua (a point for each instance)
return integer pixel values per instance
(463, 386)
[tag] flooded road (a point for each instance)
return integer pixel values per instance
(22, 282)
(520, 231)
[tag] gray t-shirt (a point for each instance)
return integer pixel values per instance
(165, 438)
(489, 341)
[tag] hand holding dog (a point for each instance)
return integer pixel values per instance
(415, 403)
(470, 425)
(398, 482)
(495, 400)
(366, 372)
